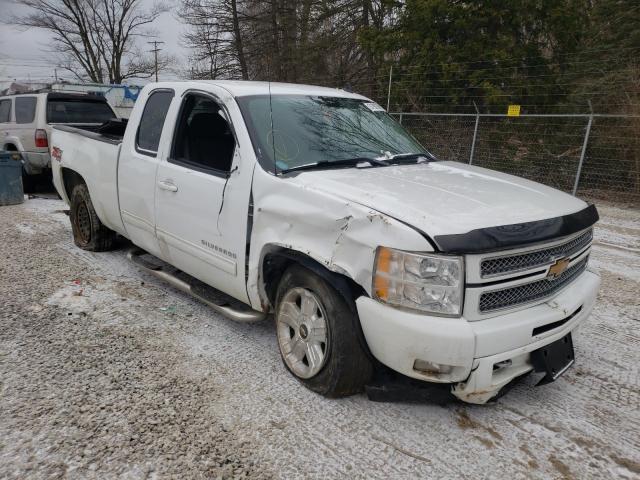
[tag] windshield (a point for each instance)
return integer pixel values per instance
(74, 111)
(309, 130)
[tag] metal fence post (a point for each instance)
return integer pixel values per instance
(400, 119)
(582, 153)
(475, 134)
(389, 90)
(547, 158)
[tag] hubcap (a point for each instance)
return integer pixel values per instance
(83, 221)
(302, 332)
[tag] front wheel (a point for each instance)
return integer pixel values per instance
(319, 335)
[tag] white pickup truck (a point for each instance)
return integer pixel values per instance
(314, 204)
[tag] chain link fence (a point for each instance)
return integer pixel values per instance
(588, 155)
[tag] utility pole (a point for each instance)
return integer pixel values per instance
(155, 51)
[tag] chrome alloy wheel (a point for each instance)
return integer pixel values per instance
(301, 323)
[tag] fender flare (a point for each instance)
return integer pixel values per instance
(70, 178)
(15, 141)
(344, 285)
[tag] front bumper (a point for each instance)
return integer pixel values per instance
(467, 350)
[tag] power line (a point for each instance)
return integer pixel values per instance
(33, 65)
(23, 59)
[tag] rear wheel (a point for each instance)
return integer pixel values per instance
(88, 231)
(319, 335)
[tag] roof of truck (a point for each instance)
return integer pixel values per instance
(244, 88)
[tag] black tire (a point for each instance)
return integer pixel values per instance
(88, 231)
(348, 366)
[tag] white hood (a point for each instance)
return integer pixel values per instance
(443, 198)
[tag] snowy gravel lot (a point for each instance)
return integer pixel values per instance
(106, 372)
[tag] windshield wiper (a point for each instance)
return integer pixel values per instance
(410, 157)
(348, 162)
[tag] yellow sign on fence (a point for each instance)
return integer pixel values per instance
(513, 111)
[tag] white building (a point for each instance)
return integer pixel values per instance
(120, 97)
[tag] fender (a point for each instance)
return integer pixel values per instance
(344, 285)
(341, 236)
(70, 178)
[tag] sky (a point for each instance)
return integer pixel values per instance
(25, 55)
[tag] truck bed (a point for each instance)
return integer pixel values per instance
(110, 132)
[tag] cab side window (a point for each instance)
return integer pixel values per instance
(152, 121)
(203, 139)
(25, 109)
(5, 111)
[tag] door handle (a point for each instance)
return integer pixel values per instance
(167, 185)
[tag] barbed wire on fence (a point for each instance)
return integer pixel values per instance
(574, 152)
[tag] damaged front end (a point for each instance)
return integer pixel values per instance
(340, 235)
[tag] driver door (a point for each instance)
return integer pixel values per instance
(202, 195)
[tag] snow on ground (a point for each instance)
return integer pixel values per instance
(107, 372)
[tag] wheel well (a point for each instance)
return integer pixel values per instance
(275, 263)
(10, 147)
(70, 179)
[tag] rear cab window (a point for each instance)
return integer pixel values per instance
(152, 121)
(5, 111)
(25, 109)
(78, 110)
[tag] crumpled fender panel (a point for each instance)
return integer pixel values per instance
(337, 233)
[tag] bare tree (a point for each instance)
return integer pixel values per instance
(214, 38)
(95, 38)
(280, 40)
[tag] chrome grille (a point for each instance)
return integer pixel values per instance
(529, 292)
(538, 258)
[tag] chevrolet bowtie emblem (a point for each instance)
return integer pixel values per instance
(558, 267)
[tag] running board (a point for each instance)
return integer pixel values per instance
(239, 315)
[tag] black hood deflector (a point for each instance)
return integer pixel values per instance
(483, 240)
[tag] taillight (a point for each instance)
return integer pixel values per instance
(41, 139)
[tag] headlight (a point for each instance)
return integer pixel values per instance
(427, 282)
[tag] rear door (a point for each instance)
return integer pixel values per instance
(202, 192)
(137, 170)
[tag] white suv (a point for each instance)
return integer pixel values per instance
(25, 122)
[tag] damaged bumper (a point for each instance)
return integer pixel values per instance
(478, 358)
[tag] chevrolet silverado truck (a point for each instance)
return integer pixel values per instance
(315, 205)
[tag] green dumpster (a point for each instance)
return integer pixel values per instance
(11, 190)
